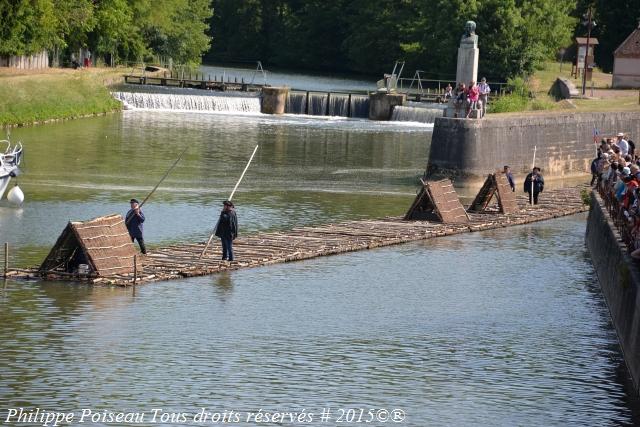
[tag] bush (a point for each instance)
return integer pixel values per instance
(508, 104)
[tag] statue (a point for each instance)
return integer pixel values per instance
(469, 37)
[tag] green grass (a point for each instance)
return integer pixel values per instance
(54, 94)
(537, 98)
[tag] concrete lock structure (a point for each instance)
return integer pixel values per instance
(274, 100)
(469, 149)
(381, 104)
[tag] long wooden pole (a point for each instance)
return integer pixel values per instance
(533, 166)
(166, 174)
(230, 197)
(6, 259)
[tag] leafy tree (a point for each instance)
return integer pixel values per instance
(75, 19)
(27, 26)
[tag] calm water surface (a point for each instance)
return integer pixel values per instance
(504, 327)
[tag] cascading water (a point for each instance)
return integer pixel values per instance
(173, 101)
(360, 106)
(338, 104)
(417, 112)
(296, 103)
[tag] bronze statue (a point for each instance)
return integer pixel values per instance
(469, 36)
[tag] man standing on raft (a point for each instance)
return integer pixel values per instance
(227, 229)
(133, 221)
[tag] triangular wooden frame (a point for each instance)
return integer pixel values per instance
(497, 185)
(437, 201)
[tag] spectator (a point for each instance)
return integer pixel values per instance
(485, 90)
(474, 96)
(448, 93)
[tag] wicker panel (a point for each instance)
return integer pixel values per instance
(506, 196)
(446, 201)
(484, 196)
(107, 244)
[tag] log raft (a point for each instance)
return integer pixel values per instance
(178, 261)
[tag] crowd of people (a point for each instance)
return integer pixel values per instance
(471, 97)
(616, 175)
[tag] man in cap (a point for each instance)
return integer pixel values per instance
(227, 229)
(534, 181)
(622, 144)
(485, 90)
(133, 221)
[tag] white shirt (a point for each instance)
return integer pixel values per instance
(624, 147)
(484, 88)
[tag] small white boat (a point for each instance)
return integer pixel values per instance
(10, 160)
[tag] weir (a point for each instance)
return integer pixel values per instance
(417, 112)
(183, 102)
(183, 260)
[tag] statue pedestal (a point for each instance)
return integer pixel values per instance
(468, 55)
(459, 111)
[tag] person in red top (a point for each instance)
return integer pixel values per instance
(474, 96)
(631, 185)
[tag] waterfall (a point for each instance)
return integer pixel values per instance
(338, 104)
(296, 103)
(417, 112)
(317, 104)
(172, 101)
(360, 106)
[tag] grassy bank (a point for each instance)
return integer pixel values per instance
(601, 98)
(28, 97)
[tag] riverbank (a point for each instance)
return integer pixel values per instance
(55, 94)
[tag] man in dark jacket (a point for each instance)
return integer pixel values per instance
(227, 229)
(534, 181)
(133, 221)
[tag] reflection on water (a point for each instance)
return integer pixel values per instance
(504, 327)
(306, 171)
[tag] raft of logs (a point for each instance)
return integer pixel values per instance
(183, 260)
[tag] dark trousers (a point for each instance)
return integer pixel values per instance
(535, 197)
(227, 248)
(140, 240)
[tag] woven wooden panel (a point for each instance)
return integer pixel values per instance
(446, 201)
(107, 244)
(484, 196)
(506, 197)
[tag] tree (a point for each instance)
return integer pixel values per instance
(27, 26)
(615, 19)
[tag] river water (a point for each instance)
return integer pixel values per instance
(504, 327)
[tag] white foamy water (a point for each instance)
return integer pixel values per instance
(180, 102)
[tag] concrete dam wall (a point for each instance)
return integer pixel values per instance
(470, 149)
(619, 278)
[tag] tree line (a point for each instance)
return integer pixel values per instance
(367, 36)
(123, 30)
(364, 36)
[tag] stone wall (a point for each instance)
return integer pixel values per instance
(470, 149)
(619, 278)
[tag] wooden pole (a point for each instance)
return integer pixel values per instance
(6, 259)
(162, 179)
(135, 269)
(533, 166)
(230, 197)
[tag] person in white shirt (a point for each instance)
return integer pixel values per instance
(485, 90)
(622, 144)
